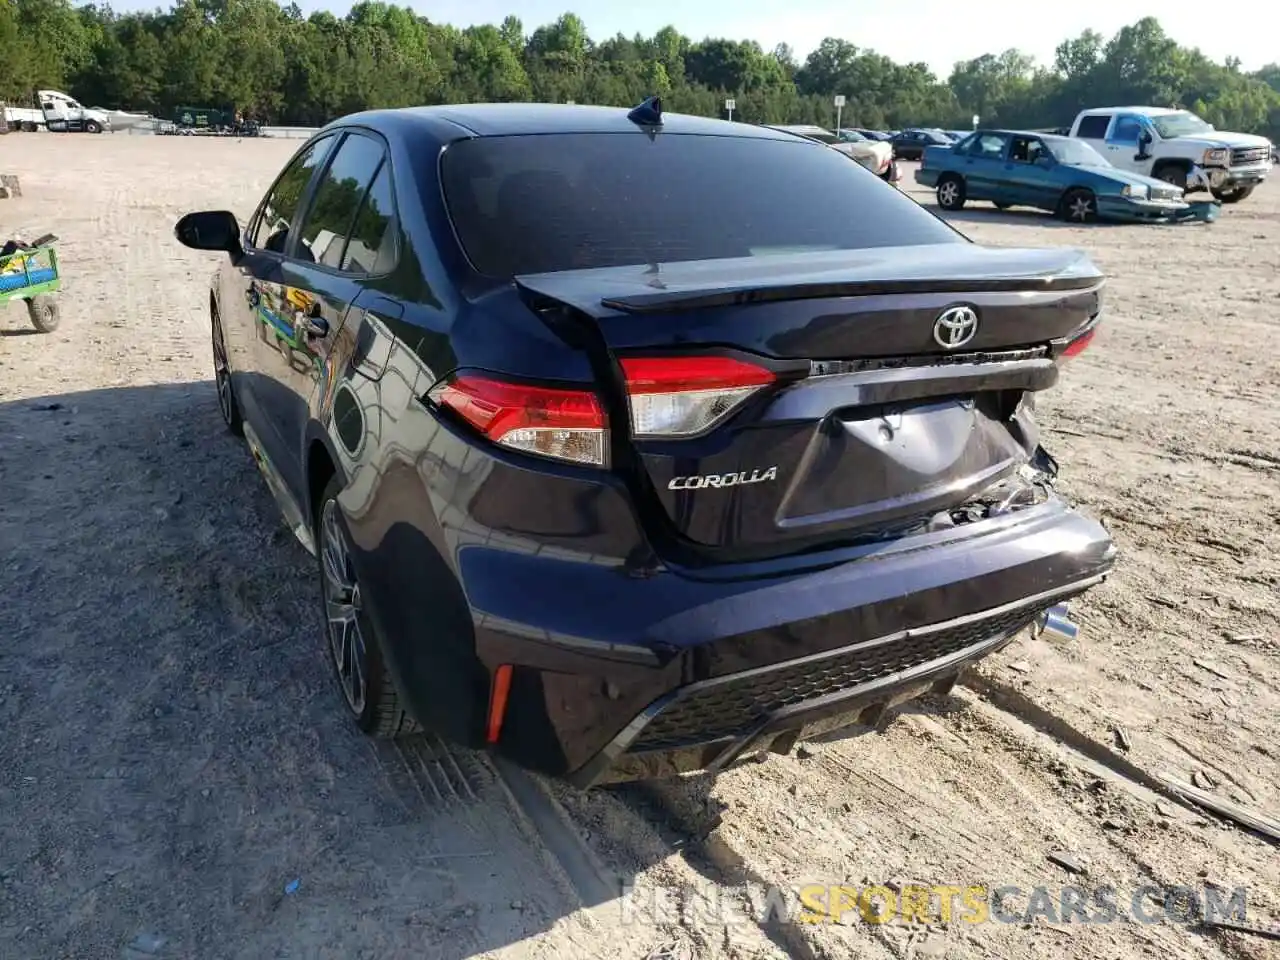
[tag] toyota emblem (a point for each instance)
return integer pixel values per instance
(955, 327)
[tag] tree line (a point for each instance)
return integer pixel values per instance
(273, 63)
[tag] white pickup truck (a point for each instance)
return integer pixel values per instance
(57, 112)
(1178, 147)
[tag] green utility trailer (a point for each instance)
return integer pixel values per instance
(203, 118)
(30, 272)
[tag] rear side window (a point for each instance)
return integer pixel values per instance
(989, 146)
(338, 197)
(536, 204)
(271, 231)
(1093, 127)
(371, 248)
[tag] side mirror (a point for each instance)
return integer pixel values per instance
(1044, 160)
(1145, 138)
(209, 230)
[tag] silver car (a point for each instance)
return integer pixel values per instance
(875, 155)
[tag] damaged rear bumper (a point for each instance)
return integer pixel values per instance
(713, 724)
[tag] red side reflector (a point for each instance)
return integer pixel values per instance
(498, 702)
(1079, 344)
(683, 374)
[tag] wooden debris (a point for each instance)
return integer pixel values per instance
(1122, 739)
(1205, 665)
(1067, 863)
(1253, 820)
(1203, 779)
(1270, 933)
(1244, 638)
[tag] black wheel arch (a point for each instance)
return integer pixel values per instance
(1178, 163)
(321, 463)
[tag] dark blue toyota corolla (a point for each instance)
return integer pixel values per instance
(632, 444)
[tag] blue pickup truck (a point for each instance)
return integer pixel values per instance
(1062, 175)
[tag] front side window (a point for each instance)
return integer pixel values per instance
(1026, 149)
(533, 204)
(1127, 130)
(275, 215)
(326, 226)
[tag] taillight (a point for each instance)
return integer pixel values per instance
(550, 422)
(1079, 344)
(683, 396)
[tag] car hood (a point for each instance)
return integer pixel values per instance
(1122, 177)
(1218, 140)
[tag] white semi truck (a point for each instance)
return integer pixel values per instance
(57, 112)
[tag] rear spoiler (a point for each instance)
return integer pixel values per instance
(960, 268)
(695, 300)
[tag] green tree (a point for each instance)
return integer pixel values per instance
(269, 59)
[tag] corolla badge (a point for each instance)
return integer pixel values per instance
(955, 327)
(719, 480)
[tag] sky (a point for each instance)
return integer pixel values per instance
(937, 32)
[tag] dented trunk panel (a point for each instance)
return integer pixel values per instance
(887, 423)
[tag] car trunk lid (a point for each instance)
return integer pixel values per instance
(779, 401)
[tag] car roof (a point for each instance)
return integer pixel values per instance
(1146, 111)
(514, 119)
(1048, 137)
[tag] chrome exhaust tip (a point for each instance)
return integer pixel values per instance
(1056, 624)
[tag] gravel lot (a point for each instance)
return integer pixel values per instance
(174, 757)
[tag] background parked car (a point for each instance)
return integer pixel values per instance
(875, 155)
(869, 134)
(911, 144)
(1063, 175)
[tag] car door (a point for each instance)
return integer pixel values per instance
(252, 313)
(982, 167)
(1029, 182)
(337, 252)
(1123, 144)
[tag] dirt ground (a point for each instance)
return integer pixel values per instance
(176, 779)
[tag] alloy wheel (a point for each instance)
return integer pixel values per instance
(1080, 209)
(222, 373)
(948, 193)
(343, 613)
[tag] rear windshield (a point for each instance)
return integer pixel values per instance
(550, 202)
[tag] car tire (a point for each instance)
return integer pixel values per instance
(352, 643)
(92, 126)
(1232, 194)
(1078, 206)
(950, 192)
(44, 312)
(227, 404)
